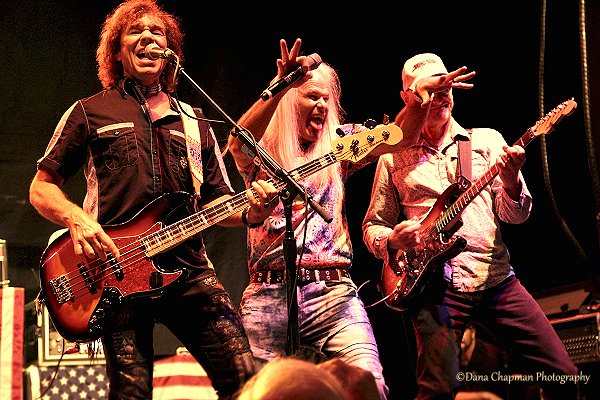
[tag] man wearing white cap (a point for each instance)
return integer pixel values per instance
(478, 284)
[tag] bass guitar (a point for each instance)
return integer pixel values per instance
(81, 293)
(404, 278)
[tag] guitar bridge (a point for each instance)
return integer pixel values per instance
(62, 289)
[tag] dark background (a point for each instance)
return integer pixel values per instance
(529, 56)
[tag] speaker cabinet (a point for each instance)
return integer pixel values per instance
(581, 336)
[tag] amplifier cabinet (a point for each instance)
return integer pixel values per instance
(581, 335)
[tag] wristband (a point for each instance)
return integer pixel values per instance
(245, 220)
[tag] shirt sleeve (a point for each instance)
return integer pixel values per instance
(66, 151)
(384, 209)
(511, 211)
(507, 209)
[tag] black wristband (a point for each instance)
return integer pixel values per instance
(245, 220)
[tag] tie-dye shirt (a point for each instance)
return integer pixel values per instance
(323, 245)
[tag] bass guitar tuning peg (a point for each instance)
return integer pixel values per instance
(370, 123)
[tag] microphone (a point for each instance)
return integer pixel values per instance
(290, 78)
(154, 52)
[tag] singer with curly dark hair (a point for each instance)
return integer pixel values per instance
(143, 155)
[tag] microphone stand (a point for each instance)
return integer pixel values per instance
(287, 195)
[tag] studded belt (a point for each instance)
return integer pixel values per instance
(304, 275)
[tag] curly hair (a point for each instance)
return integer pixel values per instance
(110, 70)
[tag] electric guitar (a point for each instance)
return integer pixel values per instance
(406, 275)
(80, 293)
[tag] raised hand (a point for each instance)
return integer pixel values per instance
(425, 88)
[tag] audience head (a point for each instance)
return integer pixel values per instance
(292, 379)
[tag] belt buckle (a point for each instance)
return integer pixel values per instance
(268, 279)
(317, 275)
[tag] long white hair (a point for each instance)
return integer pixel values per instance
(282, 136)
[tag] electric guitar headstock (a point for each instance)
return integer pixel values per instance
(546, 124)
(356, 147)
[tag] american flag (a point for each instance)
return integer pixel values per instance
(181, 378)
(68, 382)
(175, 378)
(12, 311)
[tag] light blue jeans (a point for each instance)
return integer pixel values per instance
(331, 320)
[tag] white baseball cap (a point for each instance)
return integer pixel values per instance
(421, 66)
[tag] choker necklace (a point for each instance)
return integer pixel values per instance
(149, 91)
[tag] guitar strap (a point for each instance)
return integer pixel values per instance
(463, 166)
(192, 140)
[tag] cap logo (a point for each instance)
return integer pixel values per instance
(422, 63)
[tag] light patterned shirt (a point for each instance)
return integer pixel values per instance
(408, 183)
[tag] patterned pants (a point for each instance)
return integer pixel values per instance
(211, 331)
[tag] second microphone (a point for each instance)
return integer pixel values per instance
(290, 78)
